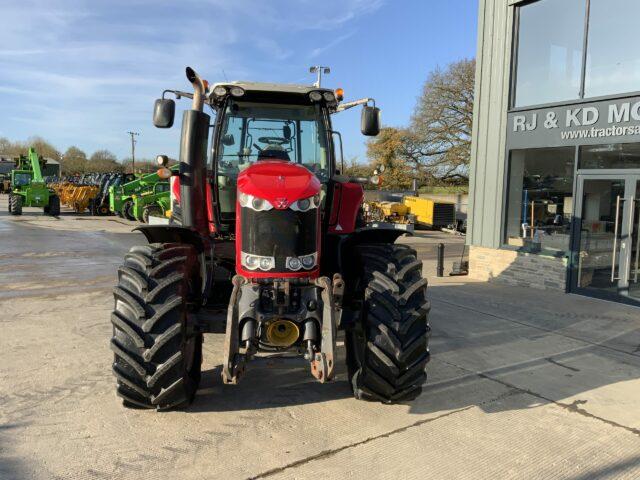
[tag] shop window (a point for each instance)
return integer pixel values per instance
(540, 199)
(614, 155)
(549, 52)
(613, 61)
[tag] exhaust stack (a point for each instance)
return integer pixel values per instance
(193, 154)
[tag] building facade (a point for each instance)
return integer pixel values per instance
(555, 175)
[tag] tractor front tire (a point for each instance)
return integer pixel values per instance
(387, 349)
(53, 208)
(149, 211)
(127, 210)
(15, 204)
(102, 210)
(157, 360)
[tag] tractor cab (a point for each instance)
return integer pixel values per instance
(268, 123)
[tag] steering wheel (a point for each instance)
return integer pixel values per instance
(273, 140)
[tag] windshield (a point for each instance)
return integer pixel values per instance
(253, 132)
(21, 179)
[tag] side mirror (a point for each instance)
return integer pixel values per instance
(370, 121)
(286, 132)
(228, 140)
(164, 110)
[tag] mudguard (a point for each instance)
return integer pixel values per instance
(172, 234)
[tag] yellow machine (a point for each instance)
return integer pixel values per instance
(431, 213)
(75, 196)
(394, 212)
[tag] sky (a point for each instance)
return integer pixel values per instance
(85, 73)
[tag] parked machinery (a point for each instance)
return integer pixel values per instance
(28, 186)
(121, 196)
(430, 213)
(155, 202)
(5, 183)
(385, 211)
(100, 204)
(76, 192)
(276, 235)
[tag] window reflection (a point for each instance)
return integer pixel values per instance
(613, 62)
(540, 198)
(614, 155)
(550, 50)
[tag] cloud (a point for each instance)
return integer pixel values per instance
(78, 71)
(316, 52)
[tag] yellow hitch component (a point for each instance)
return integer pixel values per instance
(167, 214)
(282, 333)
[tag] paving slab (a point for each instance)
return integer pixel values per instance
(522, 384)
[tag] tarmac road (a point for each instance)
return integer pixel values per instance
(522, 384)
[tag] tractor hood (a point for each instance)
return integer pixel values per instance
(279, 182)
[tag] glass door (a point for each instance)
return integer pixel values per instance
(634, 267)
(606, 241)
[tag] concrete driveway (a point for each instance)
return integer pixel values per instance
(522, 384)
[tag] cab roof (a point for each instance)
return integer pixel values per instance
(270, 87)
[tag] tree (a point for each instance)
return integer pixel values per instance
(103, 161)
(42, 147)
(6, 147)
(438, 142)
(74, 161)
(355, 169)
(387, 149)
(143, 165)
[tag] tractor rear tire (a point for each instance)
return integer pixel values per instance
(157, 360)
(387, 349)
(53, 208)
(15, 204)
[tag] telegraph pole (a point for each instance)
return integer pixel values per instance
(133, 151)
(319, 70)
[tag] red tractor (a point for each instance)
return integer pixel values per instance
(270, 231)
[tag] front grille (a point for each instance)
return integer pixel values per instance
(279, 233)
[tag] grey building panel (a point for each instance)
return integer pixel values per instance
(489, 133)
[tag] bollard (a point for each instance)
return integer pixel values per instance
(440, 266)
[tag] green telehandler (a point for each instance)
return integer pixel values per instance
(28, 188)
(154, 202)
(121, 196)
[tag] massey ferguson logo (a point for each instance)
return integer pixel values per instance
(281, 203)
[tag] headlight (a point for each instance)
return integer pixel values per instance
(237, 91)
(254, 203)
(266, 263)
(306, 204)
(220, 91)
(309, 261)
(315, 96)
(305, 261)
(253, 262)
(329, 96)
(294, 263)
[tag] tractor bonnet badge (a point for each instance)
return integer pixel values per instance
(281, 203)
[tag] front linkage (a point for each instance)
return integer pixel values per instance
(256, 318)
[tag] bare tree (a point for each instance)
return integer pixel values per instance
(438, 142)
(74, 161)
(103, 161)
